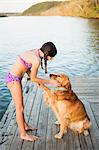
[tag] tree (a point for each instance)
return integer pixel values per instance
(95, 2)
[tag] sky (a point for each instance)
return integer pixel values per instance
(17, 5)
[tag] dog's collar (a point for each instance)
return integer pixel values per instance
(60, 88)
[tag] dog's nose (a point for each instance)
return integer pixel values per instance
(50, 75)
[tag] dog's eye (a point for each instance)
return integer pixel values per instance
(58, 76)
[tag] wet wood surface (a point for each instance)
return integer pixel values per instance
(39, 115)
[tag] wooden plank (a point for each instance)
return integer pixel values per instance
(42, 128)
(89, 142)
(49, 133)
(10, 124)
(85, 142)
(33, 120)
(92, 99)
(76, 142)
(8, 121)
(94, 131)
(95, 110)
(87, 88)
(38, 114)
(11, 108)
(52, 129)
(69, 141)
(15, 140)
(84, 80)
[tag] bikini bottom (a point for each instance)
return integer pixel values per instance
(11, 78)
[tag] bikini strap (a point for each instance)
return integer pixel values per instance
(26, 64)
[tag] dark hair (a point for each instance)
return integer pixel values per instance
(48, 49)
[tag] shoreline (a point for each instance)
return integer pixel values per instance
(9, 14)
(18, 15)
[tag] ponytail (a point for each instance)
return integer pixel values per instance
(48, 49)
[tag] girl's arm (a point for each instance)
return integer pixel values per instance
(34, 78)
(33, 74)
(28, 72)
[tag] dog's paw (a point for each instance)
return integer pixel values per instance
(57, 123)
(86, 133)
(58, 135)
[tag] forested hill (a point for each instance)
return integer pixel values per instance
(39, 8)
(83, 8)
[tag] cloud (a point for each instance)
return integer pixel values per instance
(18, 5)
(15, 5)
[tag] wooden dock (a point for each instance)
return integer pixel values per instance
(39, 115)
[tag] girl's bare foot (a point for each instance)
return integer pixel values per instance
(30, 138)
(28, 127)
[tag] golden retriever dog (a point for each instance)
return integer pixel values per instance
(69, 110)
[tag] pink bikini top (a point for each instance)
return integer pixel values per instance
(26, 64)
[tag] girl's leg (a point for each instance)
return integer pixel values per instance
(17, 95)
(28, 127)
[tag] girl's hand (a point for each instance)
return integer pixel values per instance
(54, 82)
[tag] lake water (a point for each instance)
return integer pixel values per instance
(76, 39)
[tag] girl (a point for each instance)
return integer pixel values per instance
(28, 62)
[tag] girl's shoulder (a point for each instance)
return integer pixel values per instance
(30, 53)
(31, 56)
(34, 56)
(33, 51)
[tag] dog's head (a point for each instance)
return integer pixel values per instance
(62, 79)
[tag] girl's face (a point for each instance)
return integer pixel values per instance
(49, 58)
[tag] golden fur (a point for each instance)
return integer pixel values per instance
(69, 110)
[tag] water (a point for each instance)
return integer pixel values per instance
(76, 39)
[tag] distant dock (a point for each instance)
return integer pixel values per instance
(38, 114)
(9, 14)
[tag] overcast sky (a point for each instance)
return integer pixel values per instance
(17, 5)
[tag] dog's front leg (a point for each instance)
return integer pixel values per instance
(47, 92)
(46, 89)
(55, 109)
(63, 129)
